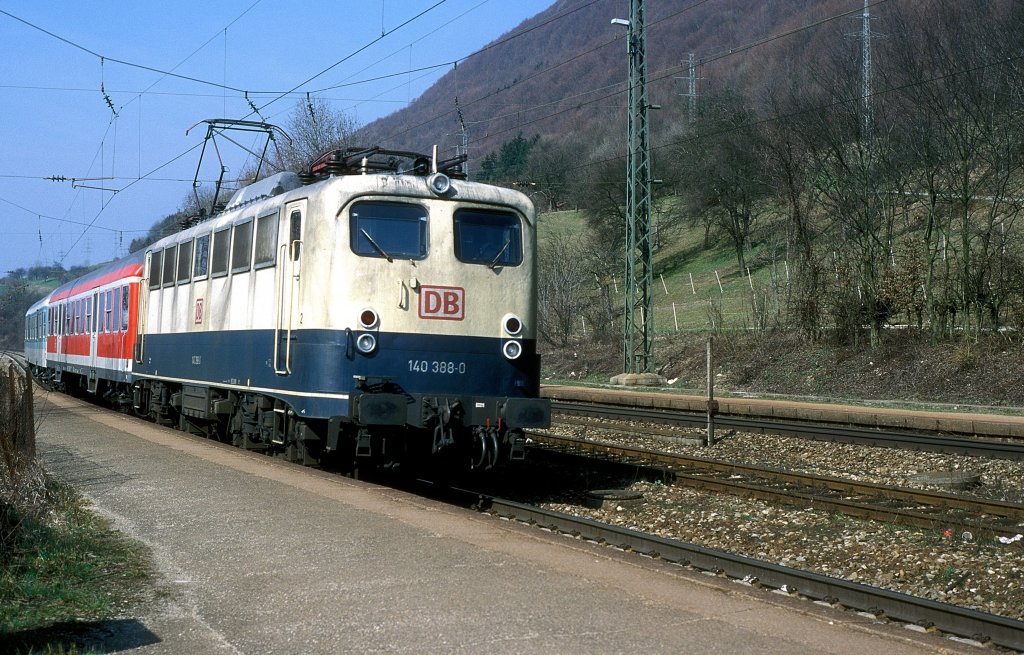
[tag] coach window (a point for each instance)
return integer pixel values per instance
(388, 230)
(266, 241)
(202, 263)
(124, 308)
(104, 311)
(184, 261)
(491, 238)
(221, 248)
(241, 247)
(170, 261)
(90, 318)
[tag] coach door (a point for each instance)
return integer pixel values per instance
(92, 317)
(289, 271)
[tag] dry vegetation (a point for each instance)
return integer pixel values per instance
(63, 571)
(904, 368)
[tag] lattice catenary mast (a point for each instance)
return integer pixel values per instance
(639, 314)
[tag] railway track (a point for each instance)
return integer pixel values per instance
(823, 432)
(898, 505)
(882, 604)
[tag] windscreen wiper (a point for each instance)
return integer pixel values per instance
(376, 245)
(494, 262)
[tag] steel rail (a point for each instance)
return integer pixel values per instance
(883, 603)
(807, 430)
(870, 501)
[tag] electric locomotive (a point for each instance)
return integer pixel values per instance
(378, 308)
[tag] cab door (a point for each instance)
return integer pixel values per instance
(289, 273)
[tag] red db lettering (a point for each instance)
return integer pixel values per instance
(442, 303)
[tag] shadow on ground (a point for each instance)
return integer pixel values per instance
(95, 636)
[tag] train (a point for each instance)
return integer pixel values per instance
(377, 310)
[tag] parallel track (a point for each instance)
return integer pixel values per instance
(822, 432)
(882, 603)
(914, 507)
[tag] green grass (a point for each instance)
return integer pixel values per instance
(63, 573)
(720, 297)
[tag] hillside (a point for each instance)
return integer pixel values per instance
(563, 73)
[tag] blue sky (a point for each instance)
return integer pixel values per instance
(57, 121)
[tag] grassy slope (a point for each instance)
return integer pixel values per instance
(904, 368)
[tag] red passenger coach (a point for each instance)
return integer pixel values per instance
(90, 325)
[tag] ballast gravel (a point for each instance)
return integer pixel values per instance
(939, 564)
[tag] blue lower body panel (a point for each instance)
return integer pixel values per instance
(327, 371)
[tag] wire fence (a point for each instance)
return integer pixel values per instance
(707, 302)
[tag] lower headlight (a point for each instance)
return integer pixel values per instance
(512, 349)
(366, 343)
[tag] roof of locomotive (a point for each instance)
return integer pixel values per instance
(360, 171)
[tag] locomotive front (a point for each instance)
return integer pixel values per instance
(424, 288)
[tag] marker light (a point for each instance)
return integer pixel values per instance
(368, 319)
(512, 324)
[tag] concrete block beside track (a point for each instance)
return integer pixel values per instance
(982, 425)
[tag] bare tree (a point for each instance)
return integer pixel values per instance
(721, 173)
(314, 128)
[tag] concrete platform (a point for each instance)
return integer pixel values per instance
(264, 557)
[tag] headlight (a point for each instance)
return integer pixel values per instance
(366, 343)
(439, 183)
(512, 349)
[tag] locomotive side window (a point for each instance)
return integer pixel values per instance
(295, 234)
(266, 241)
(221, 248)
(491, 238)
(170, 259)
(388, 230)
(241, 251)
(184, 261)
(202, 265)
(155, 266)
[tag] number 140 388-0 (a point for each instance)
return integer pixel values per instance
(436, 366)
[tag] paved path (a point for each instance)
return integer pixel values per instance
(263, 557)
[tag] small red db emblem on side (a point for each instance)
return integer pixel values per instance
(443, 303)
(199, 311)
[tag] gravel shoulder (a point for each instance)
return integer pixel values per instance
(950, 567)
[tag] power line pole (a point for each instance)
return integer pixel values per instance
(638, 321)
(692, 92)
(866, 71)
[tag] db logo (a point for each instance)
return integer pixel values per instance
(444, 303)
